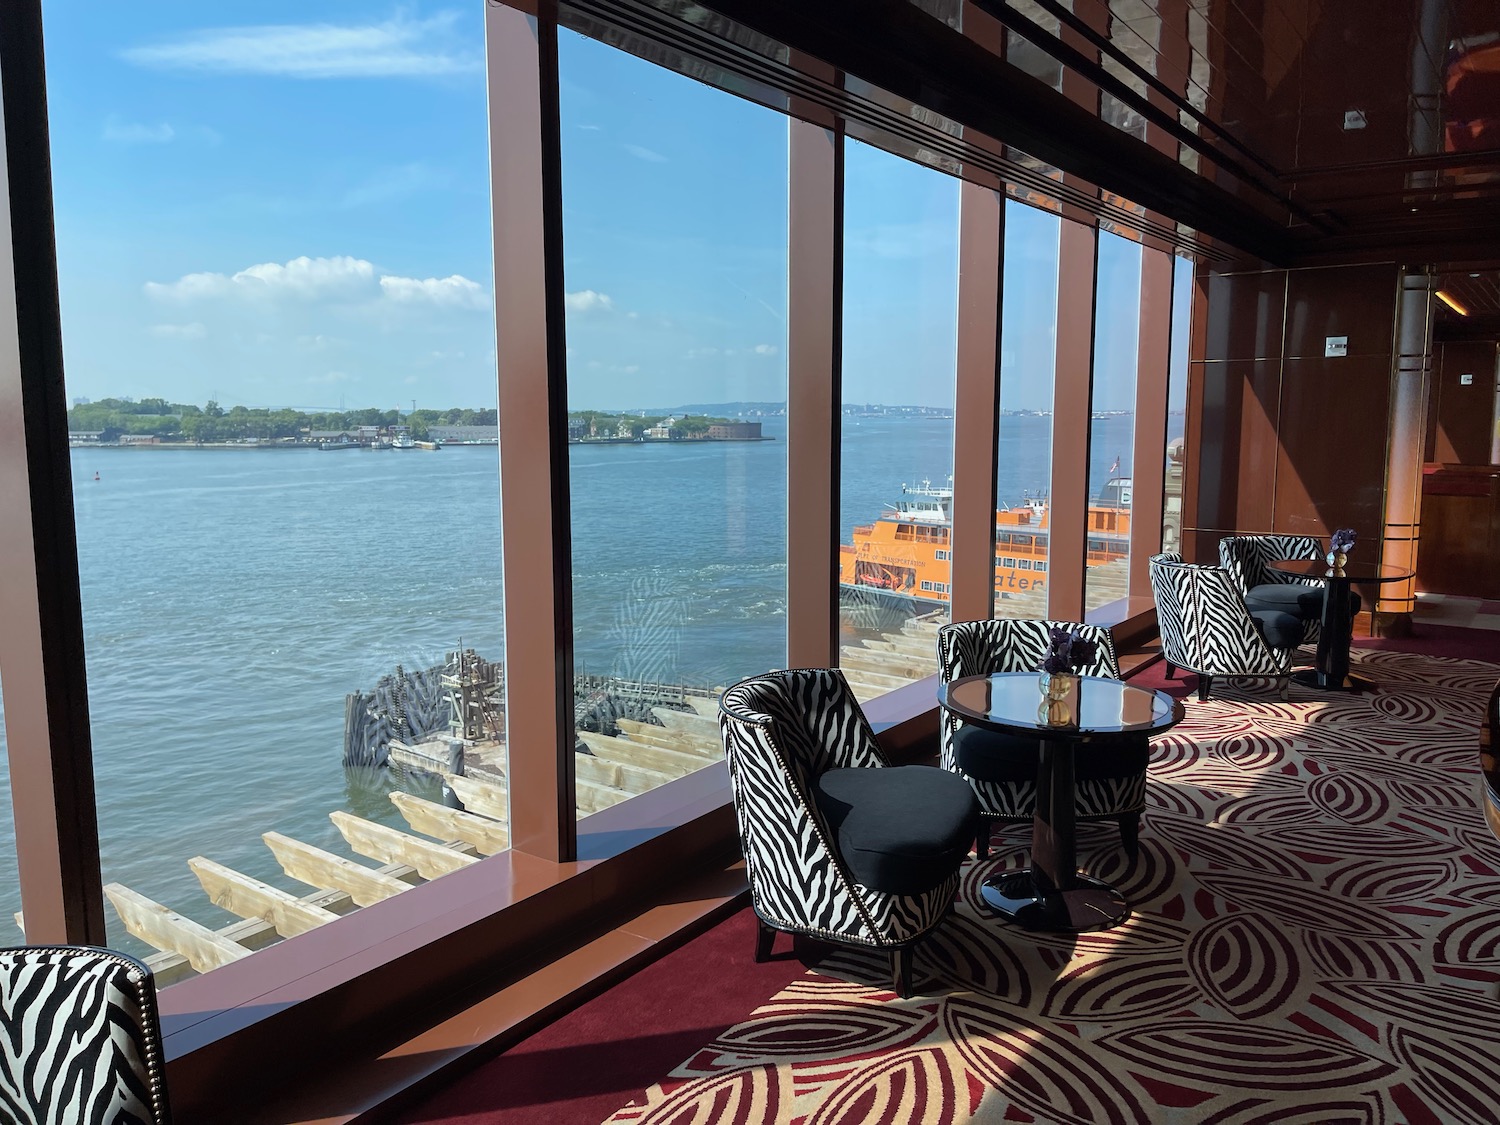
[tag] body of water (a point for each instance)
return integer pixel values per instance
(233, 598)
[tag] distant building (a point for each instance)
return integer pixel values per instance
(625, 429)
(85, 437)
(139, 439)
(577, 429)
(734, 431)
(663, 429)
(465, 435)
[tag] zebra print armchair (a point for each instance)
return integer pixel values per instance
(1247, 559)
(1207, 629)
(80, 1039)
(802, 761)
(1110, 782)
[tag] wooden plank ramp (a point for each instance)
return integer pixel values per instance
(321, 869)
(163, 928)
(250, 898)
(442, 823)
(389, 845)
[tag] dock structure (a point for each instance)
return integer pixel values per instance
(674, 732)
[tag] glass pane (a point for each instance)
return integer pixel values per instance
(1117, 324)
(899, 386)
(1028, 361)
(674, 204)
(268, 318)
(1182, 309)
(10, 888)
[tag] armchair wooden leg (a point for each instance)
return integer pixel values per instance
(1171, 670)
(901, 959)
(1205, 684)
(1130, 833)
(982, 839)
(765, 938)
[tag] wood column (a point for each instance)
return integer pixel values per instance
(815, 307)
(1072, 393)
(1411, 381)
(531, 346)
(41, 641)
(981, 234)
(1149, 457)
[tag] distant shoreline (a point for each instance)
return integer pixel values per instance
(306, 445)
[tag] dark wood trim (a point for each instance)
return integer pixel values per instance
(896, 46)
(41, 642)
(532, 373)
(976, 427)
(815, 312)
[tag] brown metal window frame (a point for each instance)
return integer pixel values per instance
(427, 949)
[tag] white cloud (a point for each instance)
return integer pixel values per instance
(591, 128)
(322, 279)
(640, 152)
(702, 353)
(766, 349)
(587, 301)
(396, 48)
(194, 331)
(453, 292)
(135, 133)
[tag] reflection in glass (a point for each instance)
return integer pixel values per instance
(899, 385)
(282, 572)
(1182, 303)
(1023, 455)
(1117, 321)
(674, 204)
(10, 889)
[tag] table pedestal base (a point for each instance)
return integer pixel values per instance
(1090, 904)
(1311, 677)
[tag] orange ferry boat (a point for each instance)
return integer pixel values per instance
(906, 555)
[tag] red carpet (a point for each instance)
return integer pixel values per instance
(583, 1067)
(1315, 940)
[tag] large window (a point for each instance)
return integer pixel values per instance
(899, 385)
(675, 229)
(1023, 458)
(1182, 307)
(279, 344)
(1117, 325)
(10, 890)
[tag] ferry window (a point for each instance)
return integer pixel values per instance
(1025, 564)
(1117, 321)
(900, 360)
(676, 296)
(1010, 562)
(1028, 356)
(251, 253)
(1040, 565)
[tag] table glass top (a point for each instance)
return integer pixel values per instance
(1092, 705)
(1355, 571)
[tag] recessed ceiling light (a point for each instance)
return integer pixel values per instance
(1451, 303)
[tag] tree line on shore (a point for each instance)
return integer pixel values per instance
(112, 418)
(179, 421)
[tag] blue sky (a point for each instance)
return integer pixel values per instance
(294, 212)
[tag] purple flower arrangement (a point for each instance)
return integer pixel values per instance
(1068, 652)
(1342, 541)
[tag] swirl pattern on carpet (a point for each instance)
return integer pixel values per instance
(1315, 938)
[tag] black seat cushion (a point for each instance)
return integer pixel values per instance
(988, 755)
(1280, 630)
(1301, 601)
(901, 829)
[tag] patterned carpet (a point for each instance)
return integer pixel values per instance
(1316, 939)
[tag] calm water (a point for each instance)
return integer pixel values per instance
(233, 598)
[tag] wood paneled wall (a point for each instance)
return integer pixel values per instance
(1280, 437)
(1461, 419)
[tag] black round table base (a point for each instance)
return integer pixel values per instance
(1090, 905)
(1311, 677)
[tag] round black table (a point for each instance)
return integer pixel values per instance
(1054, 895)
(1336, 628)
